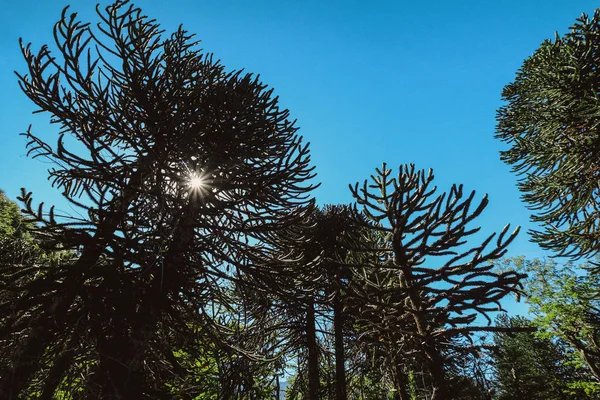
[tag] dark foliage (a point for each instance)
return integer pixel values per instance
(182, 171)
(421, 290)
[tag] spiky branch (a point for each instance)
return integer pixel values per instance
(421, 290)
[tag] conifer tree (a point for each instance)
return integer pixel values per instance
(182, 173)
(422, 290)
(334, 232)
(314, 303)
(551, 121)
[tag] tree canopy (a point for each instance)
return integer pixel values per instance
(183, 174)
(551, 122)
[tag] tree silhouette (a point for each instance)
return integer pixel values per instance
(182, 172)
(421, 290)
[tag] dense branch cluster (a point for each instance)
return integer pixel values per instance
(551, 122)
(154, 253)
(422, 289)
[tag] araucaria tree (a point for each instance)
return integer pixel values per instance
(320, 287)
(420, 293)
(551, 121)
(182, 174)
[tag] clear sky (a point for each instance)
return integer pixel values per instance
(394, 81)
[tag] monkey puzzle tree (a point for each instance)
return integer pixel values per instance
(551, 120)
(421, 293)
(313, 303)
(338, 233)
(333, 232)
(182, 171)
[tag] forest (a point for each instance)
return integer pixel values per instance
(200, 265)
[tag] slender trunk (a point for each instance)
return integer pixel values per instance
(436, 370)
(401, 393)
(277, 386)
(117, 375)
(401, 384)
(330, 379)
(313, 358)
(340, 357)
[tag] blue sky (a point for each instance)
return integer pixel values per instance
(400, 82)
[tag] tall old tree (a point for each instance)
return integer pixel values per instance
(551, 120)
(314, 302)
(181, 171)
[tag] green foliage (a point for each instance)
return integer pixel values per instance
(565, 302)
(12, 223)
(551, 121)
(16, 242)
(530, 366)
(203, 375)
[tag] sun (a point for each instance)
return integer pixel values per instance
(196, 182)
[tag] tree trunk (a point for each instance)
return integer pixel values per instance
(313, 357)
(400, 383)
(436, 369)
(340, 357)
